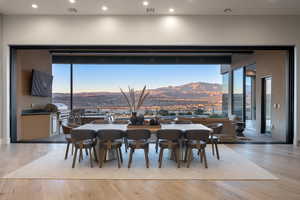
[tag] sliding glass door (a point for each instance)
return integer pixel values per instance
(238, 93)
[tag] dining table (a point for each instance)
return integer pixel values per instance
(125, 127)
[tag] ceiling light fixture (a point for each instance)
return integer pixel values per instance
(34, 6)
(227, 10)
(171, 10)
(145, 3)
(104, 8)
(72, 1)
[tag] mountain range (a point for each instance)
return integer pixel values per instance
(191, 93)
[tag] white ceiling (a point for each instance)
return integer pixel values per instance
(135, 7)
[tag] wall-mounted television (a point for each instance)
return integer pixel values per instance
(41, 84)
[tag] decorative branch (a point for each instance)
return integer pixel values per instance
(127, 100)
(131, 98)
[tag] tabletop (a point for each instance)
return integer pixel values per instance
(123, 127)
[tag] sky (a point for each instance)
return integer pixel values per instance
(112, 77)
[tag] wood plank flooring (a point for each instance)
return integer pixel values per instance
(281, 160)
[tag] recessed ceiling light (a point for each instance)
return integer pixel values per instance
(171, 10)
(72, 1)
(227, 10)
(145, 3)
(104, 8)
(34, 6)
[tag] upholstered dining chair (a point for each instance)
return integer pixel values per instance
(84, 139)
(169, 139)
(138, 139)
(110, 140)
(162, 121)
(196, 139)
(67, 130)
(214, 137)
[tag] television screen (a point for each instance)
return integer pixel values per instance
(41, 84)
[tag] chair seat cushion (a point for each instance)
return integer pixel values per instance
(168, 144)
(114, 144)
(68, 138)
(214, 137)
(138, 144)
(197, 144)
(86, 143)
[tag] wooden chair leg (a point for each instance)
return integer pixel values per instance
(95, 154)
(204, 156)
(190, 155)
(126, 144)
(212, 146)
(72, 148)
(146, 157)
(161, 154)
(156, 145)
(105, 154)
(80, 157)
(200, 155)
(74, 158)
(67, 150)
(186, 154)
(178, 157)
(120, 153)
(86, 151)
(91, 157)
(130, 157)
(101, 157)
(217, 150)
(118, 157)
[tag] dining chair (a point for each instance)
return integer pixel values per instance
(169, 139)
(84, 139)
(67, 130)
(75, 116)
(138, 139)
(214, 137)
(110, 140)
(196, 139)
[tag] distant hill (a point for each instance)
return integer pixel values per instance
(196, 92)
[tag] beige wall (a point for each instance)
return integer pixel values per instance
(142, 30)
(26, 61)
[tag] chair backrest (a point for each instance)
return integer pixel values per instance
(75, 116)
(78, 135)
(110, 135)
(202, 135)
(138, 134)
(66, 129)
(169, 134)
(216, 127)
(183, 122)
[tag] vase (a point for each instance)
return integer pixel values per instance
(134, 118)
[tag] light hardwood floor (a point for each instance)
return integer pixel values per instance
(281, 160)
